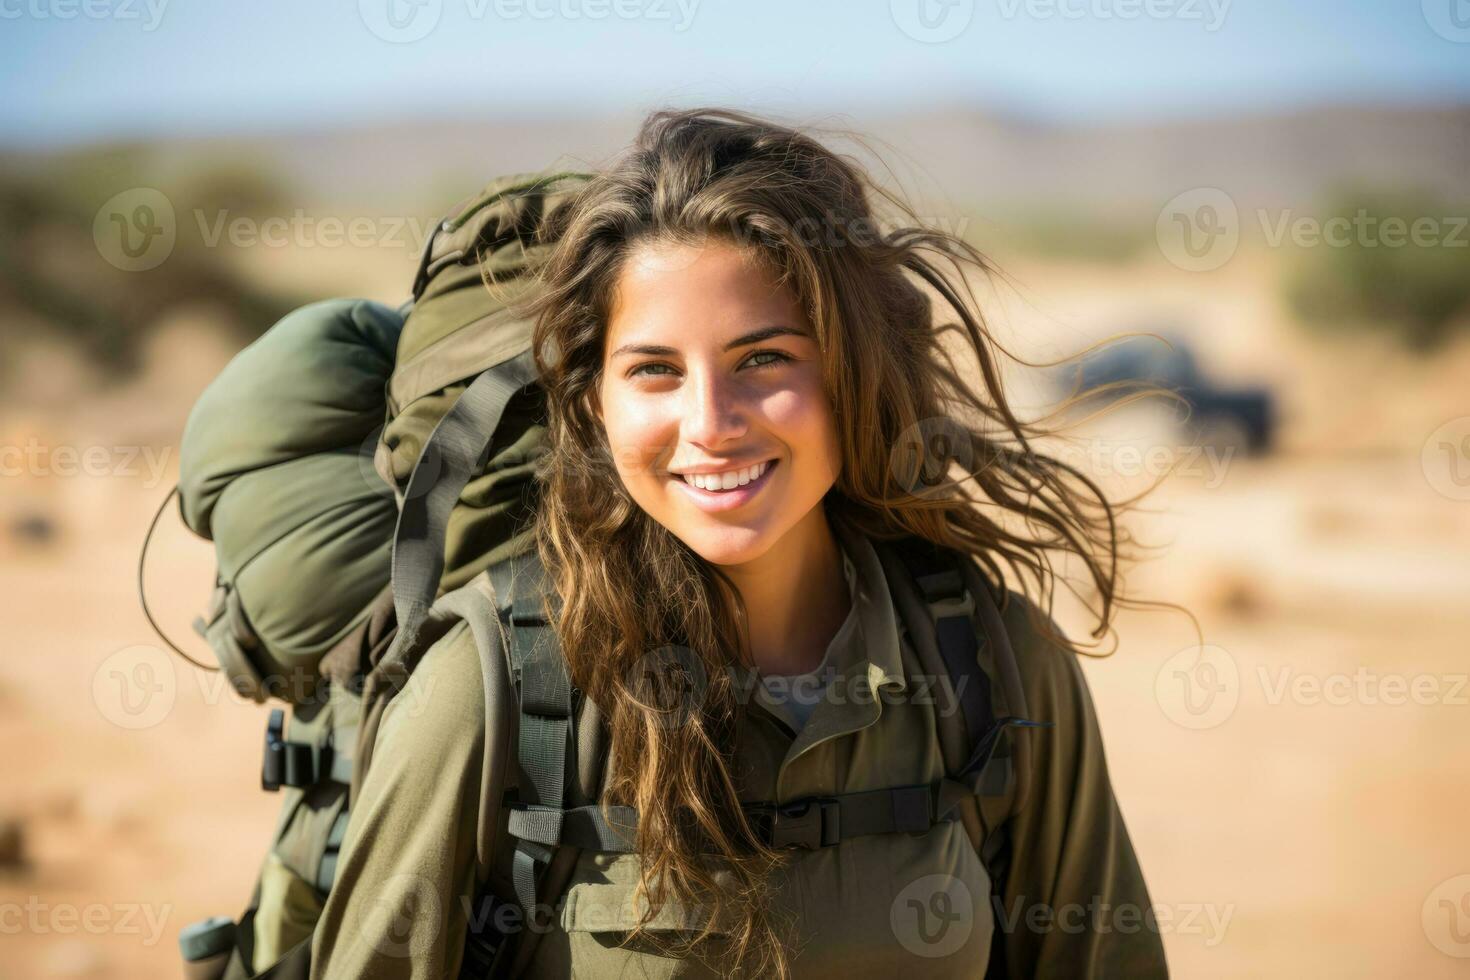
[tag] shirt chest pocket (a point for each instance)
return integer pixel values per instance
(892, 905)
(872, 906)
(600, 907)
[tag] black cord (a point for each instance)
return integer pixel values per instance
(143, 594)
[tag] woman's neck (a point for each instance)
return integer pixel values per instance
(796, 598)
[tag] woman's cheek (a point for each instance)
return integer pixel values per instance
(628, 460)
(638, 434)
(788, 412)
(802, 418)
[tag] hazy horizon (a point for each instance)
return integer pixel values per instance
(147, 69)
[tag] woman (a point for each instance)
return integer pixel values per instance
(734, 347)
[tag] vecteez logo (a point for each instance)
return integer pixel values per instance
(1199, 230)
(400, 21)
(1446, 917)
(1450, 19)
(932, 21)
(933, 916)
(136, 229)
(135, 687)
(1445, 459)
(1198, 687)
(148, 13)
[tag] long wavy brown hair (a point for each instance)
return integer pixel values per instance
(930, 447)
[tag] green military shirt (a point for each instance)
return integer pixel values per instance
(869, 906)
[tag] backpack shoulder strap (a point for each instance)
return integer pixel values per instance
(544, 741)
(1000, 655)
(559, 745)
(453, 452)
(966, 628)
(936, 576)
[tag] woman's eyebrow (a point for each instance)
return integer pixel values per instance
(754, 337)
(764, 333)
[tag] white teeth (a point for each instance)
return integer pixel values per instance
(725, 481)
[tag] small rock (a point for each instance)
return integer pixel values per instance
(1235, 593)
(12, 844)
(34, 530)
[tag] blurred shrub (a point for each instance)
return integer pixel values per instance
(1414, 284)
(1071, 233)
(57, 284)
(1067, 236)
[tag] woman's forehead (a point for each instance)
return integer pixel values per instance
(672, 293)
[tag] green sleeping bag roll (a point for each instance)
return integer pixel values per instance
(277, 470)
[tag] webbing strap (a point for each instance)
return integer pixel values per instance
(326, 871)
(809, 822)
(936, 574)
(454, 451)
(543, 756)
(583, 826)
(824, 821)
(547, 711)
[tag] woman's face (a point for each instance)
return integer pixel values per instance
(710, 368)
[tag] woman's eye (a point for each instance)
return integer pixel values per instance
(640, 369)
(780, 358)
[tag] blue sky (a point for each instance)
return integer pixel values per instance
(88, 69)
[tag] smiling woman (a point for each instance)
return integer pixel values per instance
(724, 435)
(739, 469)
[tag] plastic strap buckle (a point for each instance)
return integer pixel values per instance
(273, 767)
(807, 824)
(297, 764)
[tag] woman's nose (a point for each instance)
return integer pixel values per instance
(714, 410)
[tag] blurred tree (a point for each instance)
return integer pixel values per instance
(58, 283)
(1386, 261)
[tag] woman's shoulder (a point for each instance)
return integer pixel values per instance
(443, 701)
(1048, 667)
(1068, 752)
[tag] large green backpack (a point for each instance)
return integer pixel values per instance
(367, 475)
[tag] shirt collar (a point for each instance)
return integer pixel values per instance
(866, 645)
(863, 655)
(874, 640)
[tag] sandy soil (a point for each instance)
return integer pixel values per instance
(1296, 792)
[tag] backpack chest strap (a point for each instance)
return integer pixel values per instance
(823, 821)
(806, 823)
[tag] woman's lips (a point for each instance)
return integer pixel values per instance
(714, 501)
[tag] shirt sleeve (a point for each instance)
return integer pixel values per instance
(405, 876)
(1074, 902)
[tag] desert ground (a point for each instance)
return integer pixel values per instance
(1296, 792)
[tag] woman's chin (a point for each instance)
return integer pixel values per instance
(725, 545)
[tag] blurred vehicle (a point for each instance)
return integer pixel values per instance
(1244, 416)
